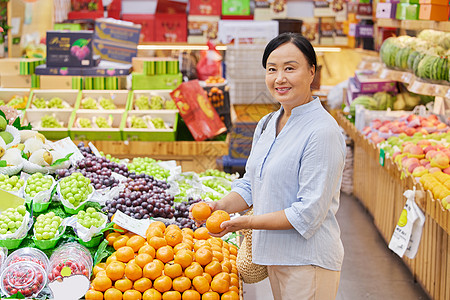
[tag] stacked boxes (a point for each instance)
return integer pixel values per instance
(70, 49)
(436, 10)
(155, 74)
(365, 83)
(407, 11)
(19, 72)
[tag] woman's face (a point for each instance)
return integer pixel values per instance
(289, 76)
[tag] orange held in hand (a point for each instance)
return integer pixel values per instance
(214, 221)
(201, 211)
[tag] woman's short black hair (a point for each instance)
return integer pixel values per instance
(295, 38)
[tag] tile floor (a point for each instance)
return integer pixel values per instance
(370, 270)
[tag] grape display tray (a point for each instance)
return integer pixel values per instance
(120, 98)
(69, 96)
(146, 134)
(34, 117)
(100, 134)
(164, 94)
(6, 94)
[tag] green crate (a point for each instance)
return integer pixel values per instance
(406, 11)
(155, 82)
(98, 134)
(34, 117)
(145, 134)
(235, 7)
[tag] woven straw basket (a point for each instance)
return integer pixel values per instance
(250, 272)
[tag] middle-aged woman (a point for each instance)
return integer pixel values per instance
(292, 179)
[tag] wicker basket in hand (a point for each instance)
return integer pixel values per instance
(249, 271)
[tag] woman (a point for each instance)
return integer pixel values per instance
(293, 177)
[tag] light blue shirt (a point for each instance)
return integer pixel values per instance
(298, 171)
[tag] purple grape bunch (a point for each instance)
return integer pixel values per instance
(181, 214)
(79, 52)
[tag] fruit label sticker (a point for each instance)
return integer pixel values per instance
(137, 226)
(69, 288)
(66, 146)
(382, 157)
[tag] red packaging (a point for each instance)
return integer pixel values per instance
(147, 22)
(196, 110)
(114, 9)
(205, 7)
(86, 9)
(170, 27)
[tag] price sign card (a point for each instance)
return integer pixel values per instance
(67, 146)
(137, 226)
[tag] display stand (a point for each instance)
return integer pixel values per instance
(380, 189)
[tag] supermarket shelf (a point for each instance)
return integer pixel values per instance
(413, 24)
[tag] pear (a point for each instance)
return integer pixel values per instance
(41, 157)
(31, 145)
(13, 157)
(6, 136)
(26, 134)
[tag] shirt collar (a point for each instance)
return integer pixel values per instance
(305, 108)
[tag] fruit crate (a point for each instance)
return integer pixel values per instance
(34, 117)
(148, 134)
(7, 94)
(120, 98)
(100, 134)
(70, 97)
(164, 94)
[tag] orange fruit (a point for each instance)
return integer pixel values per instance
(99, 267)
(111, 237)
(187, 237)
(173, 270)
(142, 259)
(120, 241)
(112, 294)
(203, 256)
(148, 249)
(201, 243)
(195, 269)
(162, 283)
(101, 283)
(234, 282)
(165, 254)
(159, 224)
(183, 257)
(171, 295)
(201, 211)
(233, 249)
(187, 231)
(115, 226)
(181, 246)
(181, 284)
(157, 242)
(213, 268)
(201, 233)
(191, 295)
(125, 254)
(153, 270)
(93, 295)
(101, 273)
(173, 237)
(210, 296)
(230, 295)
(213, 241)
(111, 258)
(133, 272)
(207, 276)
(172, 226)
(136, 242)
(218, 255)
(130, 234)
(214, 221)
(115, 270)
(132, 295)
(219, 285)
(142, 284)
(226, 263)
(123, 284)
(154, 231)
(151, 294)
(200, 284)
(224, 276)
(234, 288)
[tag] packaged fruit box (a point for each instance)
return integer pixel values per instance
(15, 98)
(152, 100)
(46, 100)
(52, 123)
(149, 125)
(96, 125)
(111, 101)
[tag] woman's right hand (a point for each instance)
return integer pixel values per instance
(214, 205)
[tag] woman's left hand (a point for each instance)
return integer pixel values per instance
(233, 225)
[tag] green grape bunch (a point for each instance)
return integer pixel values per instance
(156, 102)
(106, 103)
(137, 122)
(55, 102)
(90, 217)
(49, 121)
(46, 226)
(142, 103)
(216, 173)
(158, 123)
(40, 103)
(11, 219)
(17, 100)
(75, 188)
(89, 103)
(12, 184)
(102, 123)
(211, 196)
(85, 123)
(2, 102)
(216, 185)
(148, 166)
(109, 157)
(170, 104)
(37, 183)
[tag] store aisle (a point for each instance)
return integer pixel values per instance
(370, 269)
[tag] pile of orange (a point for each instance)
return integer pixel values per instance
(202, 212)
(171, 263)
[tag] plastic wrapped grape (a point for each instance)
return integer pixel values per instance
(142, 103)
(85, 123)
(102, 123)
(158, 123)
(46, 226)
(55, 102)
(216, 173)
(156, 102)
(37, 183)
(170, 104)
(75, 188)
(216, 185)
(148, 166)
(90, 217)
(11, 219)
(211, 196)
(39, 103)
(13, 183)
(107, 103)
(89, 103)
(15, 101)
(48, 121)
(138, 122)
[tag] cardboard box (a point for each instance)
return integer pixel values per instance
(105, 68)
(151, 65)
(147, 23)
(364, 31)
(340, 37)
(18, 81)
(236, 7)
(205, 7)
(171, 27)
(69, 49)
(353, 91)
(437, 2)
(407, 11)
(369, 82)
(197, 112)
(386, 10)
(120, 53)
(322, 8)
(364, 9)
(433, 12)
(19, 66)
(267, 10)
(155, 82)
(326, 33)
(117, 31)
(95, 133)
(310, 30)
(34, 117)
(148, 134)
(202, 29)
(60, 82)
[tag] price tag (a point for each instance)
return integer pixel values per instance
(137, 226)
(66, 146)
(382, 157)
(94, 150)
